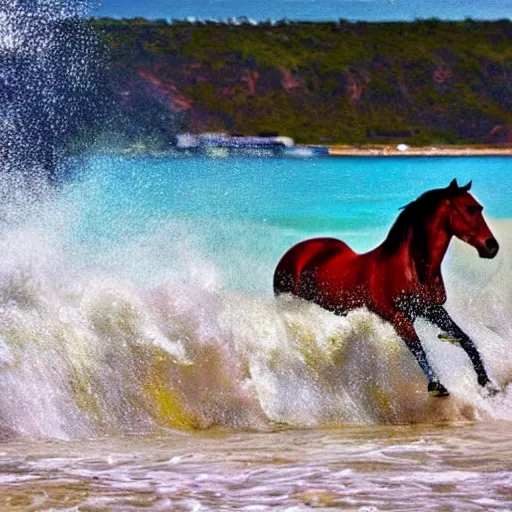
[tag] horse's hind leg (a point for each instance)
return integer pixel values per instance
(405, 329)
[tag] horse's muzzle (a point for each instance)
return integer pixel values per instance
(490, 249)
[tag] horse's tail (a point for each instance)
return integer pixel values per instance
(289, 271)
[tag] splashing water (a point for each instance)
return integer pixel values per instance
(51, 85)
(137, 297)
(123, 314)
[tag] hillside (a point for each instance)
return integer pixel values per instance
(422, 83)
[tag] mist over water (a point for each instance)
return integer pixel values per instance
(51, 85)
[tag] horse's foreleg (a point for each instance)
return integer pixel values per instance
(438, 316)
(405, 329)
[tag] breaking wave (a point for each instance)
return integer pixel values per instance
(90, 345)
(120, 315)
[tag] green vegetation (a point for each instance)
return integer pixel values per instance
(424, 82)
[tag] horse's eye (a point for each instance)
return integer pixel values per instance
(473, 210)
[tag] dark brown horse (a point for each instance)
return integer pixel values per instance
(400, 279)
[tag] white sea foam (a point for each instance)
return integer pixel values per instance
(88, 347)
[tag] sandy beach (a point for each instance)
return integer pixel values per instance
(392, 150)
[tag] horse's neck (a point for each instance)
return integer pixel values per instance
(429, 254)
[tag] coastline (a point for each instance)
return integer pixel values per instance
(433, 151)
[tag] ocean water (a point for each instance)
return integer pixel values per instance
(145, 363)
(369, 10)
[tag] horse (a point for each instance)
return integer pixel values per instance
(400, 280)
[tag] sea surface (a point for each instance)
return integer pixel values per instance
(146, 365)
(319, 10)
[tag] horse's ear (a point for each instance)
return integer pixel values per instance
(453, 187)
(467, 187)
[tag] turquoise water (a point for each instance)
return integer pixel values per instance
(244, 213)
(332, 192)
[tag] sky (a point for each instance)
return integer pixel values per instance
(370, 10)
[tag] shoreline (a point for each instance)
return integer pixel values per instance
(432, 151)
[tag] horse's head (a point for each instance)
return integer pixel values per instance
(468, 223)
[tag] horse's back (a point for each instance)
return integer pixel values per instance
(302, 256)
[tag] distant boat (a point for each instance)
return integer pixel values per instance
(204, 142)
(223, 145)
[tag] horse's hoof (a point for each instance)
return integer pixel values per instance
(490, 390)
(437, 389)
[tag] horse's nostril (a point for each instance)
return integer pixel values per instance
(492, 245)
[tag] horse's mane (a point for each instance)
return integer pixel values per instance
(412, 219)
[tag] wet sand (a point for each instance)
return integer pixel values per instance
(416, 467)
